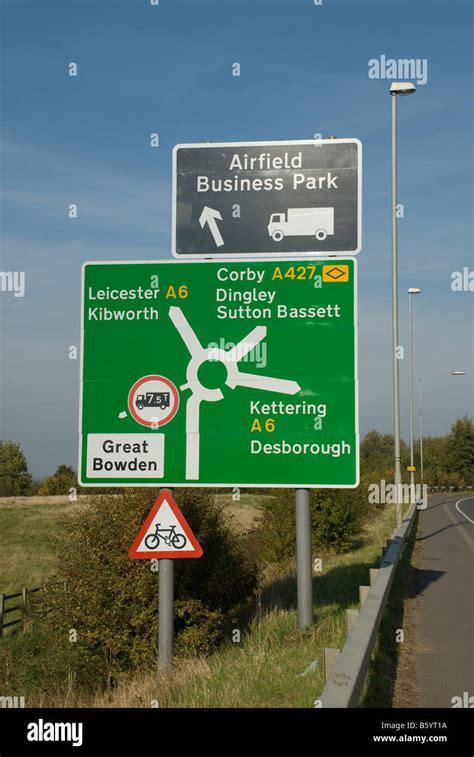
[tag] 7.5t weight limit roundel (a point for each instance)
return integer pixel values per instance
(153, 401)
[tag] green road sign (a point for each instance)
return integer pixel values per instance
(219, 374)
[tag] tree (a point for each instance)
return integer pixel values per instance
(376, 451)
(377, 454)
(60, 482)
(15, 480)
(434, 460)
(460, 449)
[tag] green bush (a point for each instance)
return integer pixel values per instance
(45, 664)
(198, 629)
(15, 480)
(447, 480)
(60, 483)
(460, 449)
(112, 601)
(337, 516)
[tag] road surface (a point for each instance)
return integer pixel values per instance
(444, 616)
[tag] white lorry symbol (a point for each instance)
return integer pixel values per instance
(302, 222)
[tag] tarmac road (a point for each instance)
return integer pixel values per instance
(444, 618)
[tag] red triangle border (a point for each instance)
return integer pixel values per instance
(177, 554)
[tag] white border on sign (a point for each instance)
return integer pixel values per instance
(195, 484)
(249, 255)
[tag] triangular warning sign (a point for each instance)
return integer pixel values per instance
(165, 533)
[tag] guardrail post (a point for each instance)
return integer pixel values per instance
(329, 658)
(351, 616)
(2, 609)
(363, 591)
(373, 575)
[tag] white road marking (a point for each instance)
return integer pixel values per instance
(460, 511)
(199, 392)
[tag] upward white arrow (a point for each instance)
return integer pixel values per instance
(209, 216)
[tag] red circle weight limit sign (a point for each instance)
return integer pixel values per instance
(153, 401)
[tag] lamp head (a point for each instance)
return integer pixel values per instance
(458, 373)
(414, 290)
(402, 88)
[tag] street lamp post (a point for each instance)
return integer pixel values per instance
(397, 89)
(451, 373)
(411, 292)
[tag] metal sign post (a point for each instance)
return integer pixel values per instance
(304, 576)
(165, 535)
(166, 612)
(166, 608)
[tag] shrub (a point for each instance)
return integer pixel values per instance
(45, 664)
(198, 629)
(337, 516)
(60, 483)
(447, 480)
(112, 601)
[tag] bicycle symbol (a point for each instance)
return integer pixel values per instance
(177, 541)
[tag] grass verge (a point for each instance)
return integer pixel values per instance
(379, 690)
(274, 664)
(26, 556)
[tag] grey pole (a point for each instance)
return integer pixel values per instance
(166, 609)
(410, 326)
(421, 438)
(396, 390)
(304, 575)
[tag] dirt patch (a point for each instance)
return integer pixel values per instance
(242, 520)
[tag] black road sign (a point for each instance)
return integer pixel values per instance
(267, 198)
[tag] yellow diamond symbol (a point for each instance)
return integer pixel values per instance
(335, 273)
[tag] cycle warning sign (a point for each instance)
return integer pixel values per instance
(165, 533)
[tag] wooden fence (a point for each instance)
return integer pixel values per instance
(6, 607)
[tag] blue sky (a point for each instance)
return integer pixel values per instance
(168, 69)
